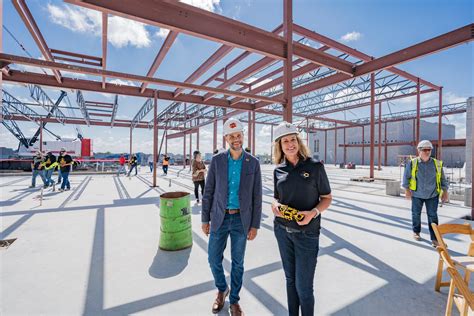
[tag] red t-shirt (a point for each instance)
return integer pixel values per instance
(122, 161)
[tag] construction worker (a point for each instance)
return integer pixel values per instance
(198, 174)
(37, 169)
(150, 162)
(424, 182)
(302, 193)
(165, 164)
(65, 162)
(133, 162)
(49, 164)
(232, 203)
(121, 165)
(63, 150)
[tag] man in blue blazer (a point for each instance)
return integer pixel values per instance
(231, 206)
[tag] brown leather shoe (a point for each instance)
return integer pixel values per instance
(235, 310)
(220, 300)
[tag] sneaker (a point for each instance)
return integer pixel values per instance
(416, 236)
(60, 190)
(67, 189)
(31, 186)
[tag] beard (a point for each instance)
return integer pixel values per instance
(236, 147)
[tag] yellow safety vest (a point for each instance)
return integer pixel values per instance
(414, 171)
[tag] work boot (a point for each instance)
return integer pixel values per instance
(416, 236)
(235, 310)
(220, 300)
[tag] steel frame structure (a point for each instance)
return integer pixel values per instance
(295, 80)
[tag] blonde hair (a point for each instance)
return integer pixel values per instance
(278, 155)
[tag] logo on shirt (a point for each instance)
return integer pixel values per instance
(305, 175)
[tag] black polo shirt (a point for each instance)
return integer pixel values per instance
(300, 187)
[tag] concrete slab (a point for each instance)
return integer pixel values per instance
(94, 250)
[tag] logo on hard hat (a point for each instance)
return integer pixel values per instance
(232, 125)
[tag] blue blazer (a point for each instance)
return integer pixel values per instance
(214, 200)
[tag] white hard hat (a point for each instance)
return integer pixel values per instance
(232, 126)
(63, 149)
(283, 129)
(425, 144)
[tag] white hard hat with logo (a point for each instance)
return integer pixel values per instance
(284, 129)
(425, 144)
(232, 126)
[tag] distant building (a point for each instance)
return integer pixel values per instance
(6, 153)
(397, 132)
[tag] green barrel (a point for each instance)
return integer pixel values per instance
(175, 214)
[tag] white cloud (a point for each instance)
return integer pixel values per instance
(209, 5)
(162, 33)
(121, 32)
(121, 82)
(350, 37)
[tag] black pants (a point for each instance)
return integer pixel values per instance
(131, 169)
(165, 169)
(196, 188)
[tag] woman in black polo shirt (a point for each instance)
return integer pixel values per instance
(302, 193)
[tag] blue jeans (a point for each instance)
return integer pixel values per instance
(65, 182)
(48, 173)
(232, 226)
(59, 176)
(431, 211)
(35, 174)
(299, 253)
(131, 169)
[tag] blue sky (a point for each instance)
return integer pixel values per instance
(374, 27)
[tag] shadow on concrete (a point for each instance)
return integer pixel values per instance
(167, 264)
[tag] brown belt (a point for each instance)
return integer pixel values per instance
(234, 211)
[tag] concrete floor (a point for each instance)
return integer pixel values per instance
(94, 250)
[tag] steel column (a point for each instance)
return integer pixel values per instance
(184, 151)
(325, 146)
(439, 152)
(345, 148)
(197, 139)
(385, 141)
(253, 133)
(214, 137)
(223, 136)
(190, 149)
(335, 145)
(372, 124)
(166, 141)
(379, 159)
(130, 157)
(249, 132)
(307, 133)
(363, 145)
(155, 135)
(272, 143)
(418, 111)
(41, 135)
(288, 61)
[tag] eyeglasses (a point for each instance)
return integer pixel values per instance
(426, 150)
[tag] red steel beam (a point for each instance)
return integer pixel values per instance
(105, 26)
(275, 82)
(88, 85)
(198, 22)
(287, 63)
(436, 44)
(80, 56)
(372, 124)
(379, 159)
(160, 57)
(155, 136)
(418, 111)
(355, 106)
(250, 70)
(32, 27)
(354, 52)
(132, 77)
(439, 152)
(211, 61)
